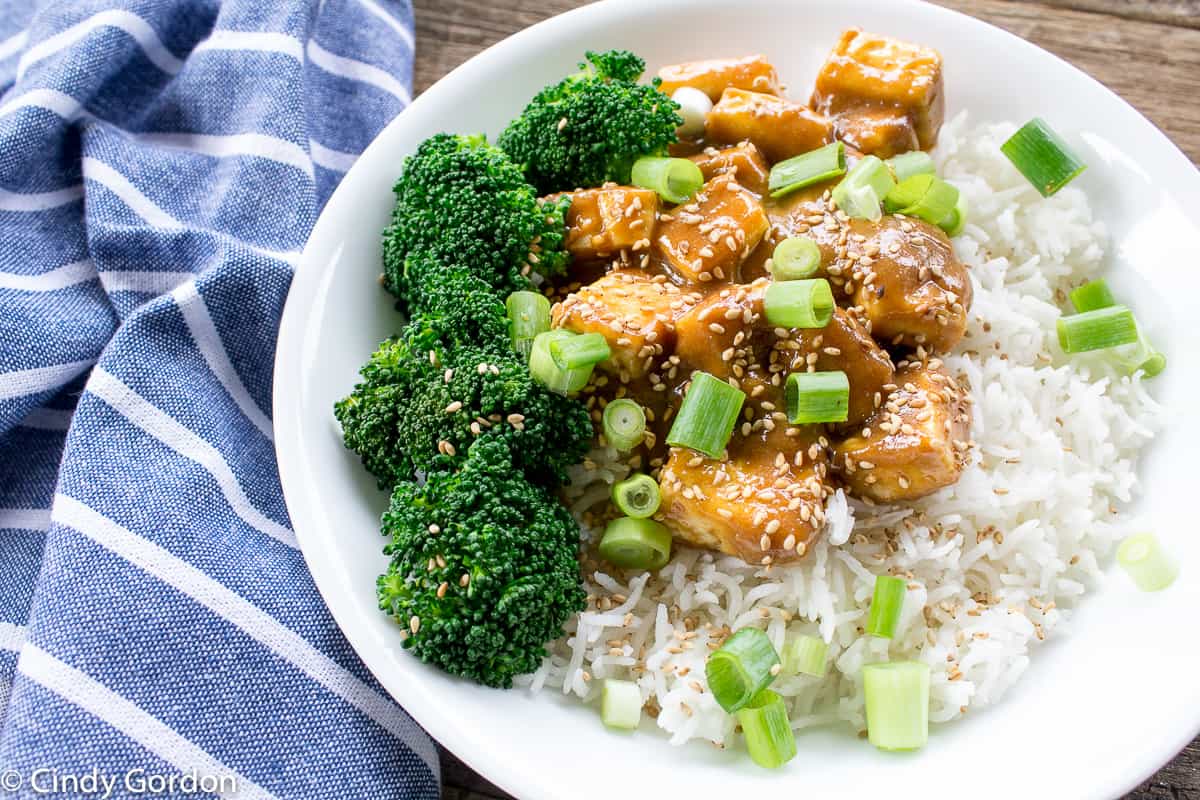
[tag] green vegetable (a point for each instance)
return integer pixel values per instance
(548, 372)
(462, 205)
(1092, 295)
(624, 423)
(1097, 330)
(576, 352)
(706, 416)
(1146, 562)
(817, 397)
(886, 605)
(806, 303)
(1042, 157)
(897, 700)
(675, 179)
(805, 655)
(861, 192)
(807, 169)
(770, 739)
(637, 497)
(620, 704)
(403, 415)
(914, 162)
(592, 126)
(741, 668)
(484, 567)
(926, 197)
(528, 315)
(632, 543)
(1141, 354)
(954, 223)
(794, 258)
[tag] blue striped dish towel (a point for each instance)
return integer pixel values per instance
(161, 164)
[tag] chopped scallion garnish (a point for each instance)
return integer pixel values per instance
(1097, 330)
(886, 604)
(957, 220)
(624, 423)
(924, 196)
(1042, 157)
(795, 258)
(741, 668)
(637, 497)
(914, 162)
(807, 169)
(632, 543)
(675, 179)
(620, 704)
(813, 397)
(806, 303)
(548, 373)
(897, 700)
(770, 739)
(706, 416)
(805, 655)
(1092, 295)
(860, 194)
(1146, 562)
(584, 350)
(529, 313)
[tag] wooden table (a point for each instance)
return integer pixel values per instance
(1147, 51)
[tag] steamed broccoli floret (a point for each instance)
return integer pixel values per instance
(590, 127)
(429, 394)
(484, 568)
(461, 204)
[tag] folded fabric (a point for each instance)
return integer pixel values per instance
(161, 164)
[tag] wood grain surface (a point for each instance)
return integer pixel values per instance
(1147, 51)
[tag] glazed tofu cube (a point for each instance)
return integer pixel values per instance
(746, 507)
(777, 127)
(915, 445)
(882, 132)
(844, 345)
(635, 313)
(716, 332)
(744, 162)
(866, 70)
(709, 238)
(604, 221)
(716, 75)
(914, 290)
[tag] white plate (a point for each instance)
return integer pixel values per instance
(1099, 710)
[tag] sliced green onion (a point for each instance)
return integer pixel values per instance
(914, 162)
(862, 190)
(817, 397)
(806, 303)
(624, 423)
(926, 197)
(1154, 364)
(548, 373)
(807, 168)
(675, 179)
(529, 315)
(769, 735)
(1096, 330)
(620, 704)
(794, 258)
(707, 415)
(636, 543)
(583, 350)
(897, 696)
(637, 497)
(741, 668)
(805, 655)
(957, 220)
(1042, 157)
(1146, 562)
(1092, 295)
(886, 604)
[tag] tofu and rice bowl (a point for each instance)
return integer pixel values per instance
(746, 414)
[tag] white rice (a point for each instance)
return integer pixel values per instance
(995, 563)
